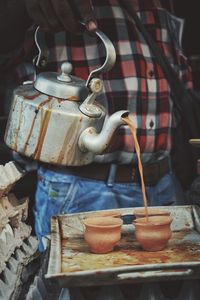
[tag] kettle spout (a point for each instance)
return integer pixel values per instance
(96, 143)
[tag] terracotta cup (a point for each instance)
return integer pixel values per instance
(153, 233)
(140, 212)
(105, 213)
(102, 233)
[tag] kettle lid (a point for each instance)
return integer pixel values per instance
(64, 85)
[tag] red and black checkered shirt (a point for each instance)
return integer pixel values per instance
(136, 82)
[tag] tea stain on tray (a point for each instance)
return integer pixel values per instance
(76, 255)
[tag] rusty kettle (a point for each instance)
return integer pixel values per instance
(56, 118)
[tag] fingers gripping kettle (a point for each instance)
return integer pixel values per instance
(56, 119)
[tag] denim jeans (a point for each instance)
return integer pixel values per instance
(59, 193)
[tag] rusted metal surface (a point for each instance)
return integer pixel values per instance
(35, 119)
(72, 264)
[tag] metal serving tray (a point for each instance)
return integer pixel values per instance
(72, 264)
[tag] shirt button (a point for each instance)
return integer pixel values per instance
(151, 124)
(151, 73)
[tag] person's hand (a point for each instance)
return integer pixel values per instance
(58, 15)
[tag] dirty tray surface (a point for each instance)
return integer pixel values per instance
(72, 264)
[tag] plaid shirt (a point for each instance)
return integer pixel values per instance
(136, 82)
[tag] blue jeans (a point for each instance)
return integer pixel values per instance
(61, 193)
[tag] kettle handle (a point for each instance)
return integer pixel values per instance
(110, 56)
(41, 59)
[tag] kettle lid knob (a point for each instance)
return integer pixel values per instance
(66, 69)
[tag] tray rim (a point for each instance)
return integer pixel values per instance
(56, 274)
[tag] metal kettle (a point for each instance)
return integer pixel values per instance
(56, 119)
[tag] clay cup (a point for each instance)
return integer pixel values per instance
(102, 233)
(140, 212)
(105, 213)
(153, 233)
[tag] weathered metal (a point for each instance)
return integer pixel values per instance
(56, 119)
(72, 264)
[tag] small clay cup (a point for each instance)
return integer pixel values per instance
(153, 234)
(102, 233)
(105, 213)
(140, 212)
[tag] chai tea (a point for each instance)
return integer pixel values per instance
(137, 149)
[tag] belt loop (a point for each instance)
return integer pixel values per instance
(112, 175)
